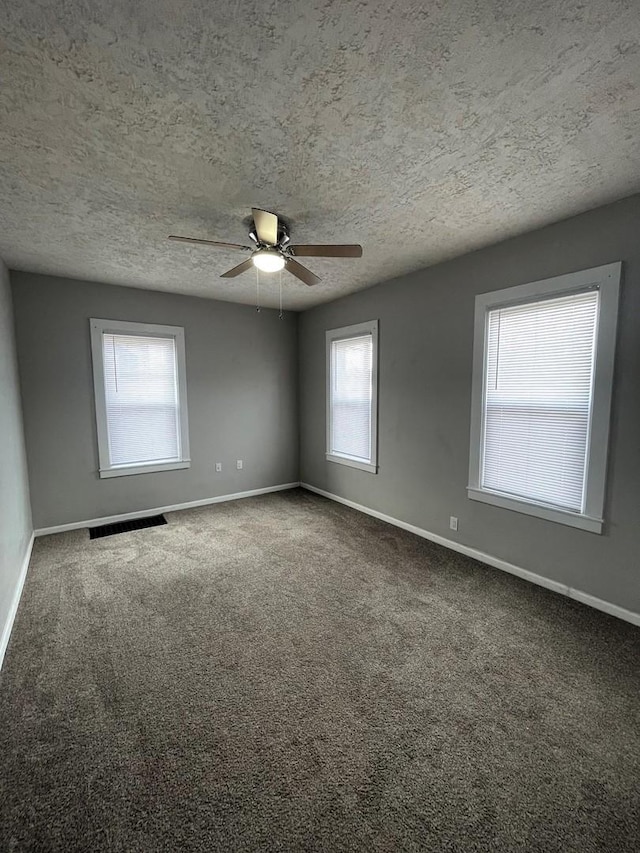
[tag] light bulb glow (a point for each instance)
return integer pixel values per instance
(268, 260)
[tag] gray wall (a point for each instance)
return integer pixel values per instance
(15, 512)
(241, 386)
(426, 336)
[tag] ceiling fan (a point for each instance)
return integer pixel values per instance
(273, 251)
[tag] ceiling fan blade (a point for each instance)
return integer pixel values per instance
(350, 250)
(266, 226)
(301, 272)
(208, 242)
(234, 271)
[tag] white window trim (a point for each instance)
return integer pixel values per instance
(607, 280)
(356, 331)
(121, 327)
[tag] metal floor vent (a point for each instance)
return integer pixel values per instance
(126, 526)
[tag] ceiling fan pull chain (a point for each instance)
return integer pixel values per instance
(257, 290)
(280, 283)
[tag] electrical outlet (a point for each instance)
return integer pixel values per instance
(453, 522)
(218, 467)
(239, 464)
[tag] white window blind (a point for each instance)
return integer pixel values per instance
(351, 397)
(538, 394)
(141, 399)
(140, 386)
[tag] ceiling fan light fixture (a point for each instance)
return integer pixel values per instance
(270, 234)
(268, 260)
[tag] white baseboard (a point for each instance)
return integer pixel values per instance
(8, 625)
(496, 562)
(125, 516)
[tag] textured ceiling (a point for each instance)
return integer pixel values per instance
(420, 129)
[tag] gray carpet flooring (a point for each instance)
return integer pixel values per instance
(286, 674)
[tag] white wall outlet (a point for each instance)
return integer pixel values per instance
(218, 467)
(453, 522)
(239, 464)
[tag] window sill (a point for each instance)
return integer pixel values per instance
(351, 462)
(560, 516)
(127, 470)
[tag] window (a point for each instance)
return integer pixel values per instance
(139, 380)
(542, 377)
(352, 379)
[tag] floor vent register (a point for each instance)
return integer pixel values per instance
(126, 526)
